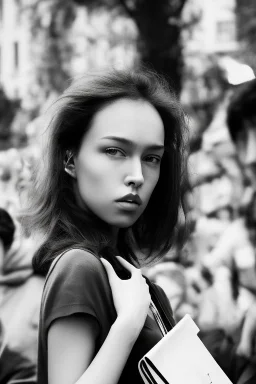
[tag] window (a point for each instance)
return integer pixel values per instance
(225, 31)
(16, 55)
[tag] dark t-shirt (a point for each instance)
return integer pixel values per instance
(78, 283)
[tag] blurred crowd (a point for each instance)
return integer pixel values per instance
(212, 277)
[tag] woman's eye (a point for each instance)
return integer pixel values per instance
(153, 159)
(114, 152)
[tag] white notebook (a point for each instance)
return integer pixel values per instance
(180, 357)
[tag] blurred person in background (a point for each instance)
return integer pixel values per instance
(20, 294)
(226, 309)
(241, 121)
(237, 243)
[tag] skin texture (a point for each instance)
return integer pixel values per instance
(105, 170)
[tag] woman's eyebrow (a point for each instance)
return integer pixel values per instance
(131, 143)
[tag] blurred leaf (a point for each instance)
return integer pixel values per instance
(159, 25)
(52, 50)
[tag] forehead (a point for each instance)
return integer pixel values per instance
(136, 120)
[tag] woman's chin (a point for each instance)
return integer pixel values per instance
(123, 223)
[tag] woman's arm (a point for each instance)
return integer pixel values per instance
(72, 339)
(71, 348)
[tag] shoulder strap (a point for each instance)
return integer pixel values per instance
(150, 371)
(158, 318)
(165, 312)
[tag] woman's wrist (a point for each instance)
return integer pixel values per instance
(127, 330)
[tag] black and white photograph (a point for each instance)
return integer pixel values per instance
(127, 192)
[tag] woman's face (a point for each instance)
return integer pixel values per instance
(120, 155)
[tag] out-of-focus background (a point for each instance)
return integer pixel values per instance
(206, 48)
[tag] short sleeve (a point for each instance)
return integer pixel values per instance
(77, 284)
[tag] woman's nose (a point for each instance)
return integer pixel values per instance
(135, 175)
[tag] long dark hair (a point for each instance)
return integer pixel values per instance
(53, 208)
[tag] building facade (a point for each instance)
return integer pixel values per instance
(98, 40)
(215, 31)
(15, 63)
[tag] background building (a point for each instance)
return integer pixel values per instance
(215, 31)
(91, 41)
(101, 39)
(15, 59)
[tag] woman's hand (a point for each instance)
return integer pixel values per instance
(131, 297)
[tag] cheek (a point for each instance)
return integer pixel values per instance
(89, 170)
(152, 180)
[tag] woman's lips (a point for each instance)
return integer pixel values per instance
(130, 198)
(128, 206)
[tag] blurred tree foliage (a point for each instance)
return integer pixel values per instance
(159, 26)
(51, 21)
(246, 29)
(159, 43)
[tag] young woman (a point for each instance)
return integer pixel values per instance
(107, 198)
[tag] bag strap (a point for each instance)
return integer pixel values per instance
(144, 365)
(146, 373)
(158, 318)
(161, 306)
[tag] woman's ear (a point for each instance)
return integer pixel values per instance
(69, 164)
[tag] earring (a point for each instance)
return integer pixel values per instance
(69, 166)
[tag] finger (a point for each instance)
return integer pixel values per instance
(127, 265)
(109, 269)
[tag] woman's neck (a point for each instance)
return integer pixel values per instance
(114, 235)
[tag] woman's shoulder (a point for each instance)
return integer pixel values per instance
(76, 283)
(74, 272)
(76, 261)
(78, 256)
